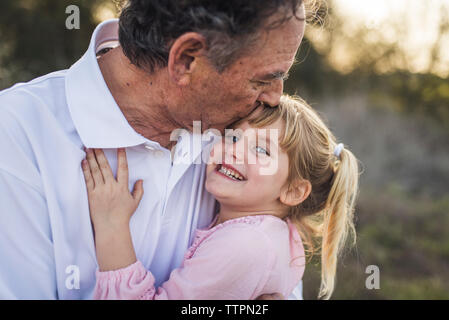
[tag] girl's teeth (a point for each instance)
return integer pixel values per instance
(231, 173)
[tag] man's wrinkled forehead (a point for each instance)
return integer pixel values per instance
(275, 51)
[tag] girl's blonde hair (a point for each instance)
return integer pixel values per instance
(327, 214)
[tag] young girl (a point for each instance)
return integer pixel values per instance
(255, 244)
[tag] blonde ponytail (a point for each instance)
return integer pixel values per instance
(338, 218)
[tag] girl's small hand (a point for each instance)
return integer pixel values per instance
(111, 204)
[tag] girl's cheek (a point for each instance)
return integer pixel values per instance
(267, 167)
(216, 154)
(264, 161)
(252, 158)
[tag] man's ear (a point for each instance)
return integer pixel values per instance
(183, 56)
(296, 192)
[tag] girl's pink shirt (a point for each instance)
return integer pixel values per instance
(239, 259)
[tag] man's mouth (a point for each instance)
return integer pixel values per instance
(230, 172)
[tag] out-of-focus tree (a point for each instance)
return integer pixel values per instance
(341, 56)
(34, 39)
(398, 42)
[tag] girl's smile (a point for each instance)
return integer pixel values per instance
(230, 172)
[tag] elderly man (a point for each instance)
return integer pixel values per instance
(177, 62)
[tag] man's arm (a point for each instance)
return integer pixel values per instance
(27, 265)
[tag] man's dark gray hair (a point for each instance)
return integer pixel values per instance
(147, 28)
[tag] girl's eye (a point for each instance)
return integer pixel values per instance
(262, 150)
(232, 138)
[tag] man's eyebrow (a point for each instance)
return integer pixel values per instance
(275, 76)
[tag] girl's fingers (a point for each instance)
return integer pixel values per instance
(122, 167)
(138, 191)
(104, 166)
(87, 175)
(94, 169)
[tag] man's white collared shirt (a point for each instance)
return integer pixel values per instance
(46, 240)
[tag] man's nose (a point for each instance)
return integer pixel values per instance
(272, 95)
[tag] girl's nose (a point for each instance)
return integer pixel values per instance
(235, 152)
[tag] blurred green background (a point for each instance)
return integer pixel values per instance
(377, 71)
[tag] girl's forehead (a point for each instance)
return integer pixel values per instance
(245, 125)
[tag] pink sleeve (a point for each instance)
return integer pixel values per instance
(129, 283)
(233, 263)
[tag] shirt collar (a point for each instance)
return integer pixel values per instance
(98, 119)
